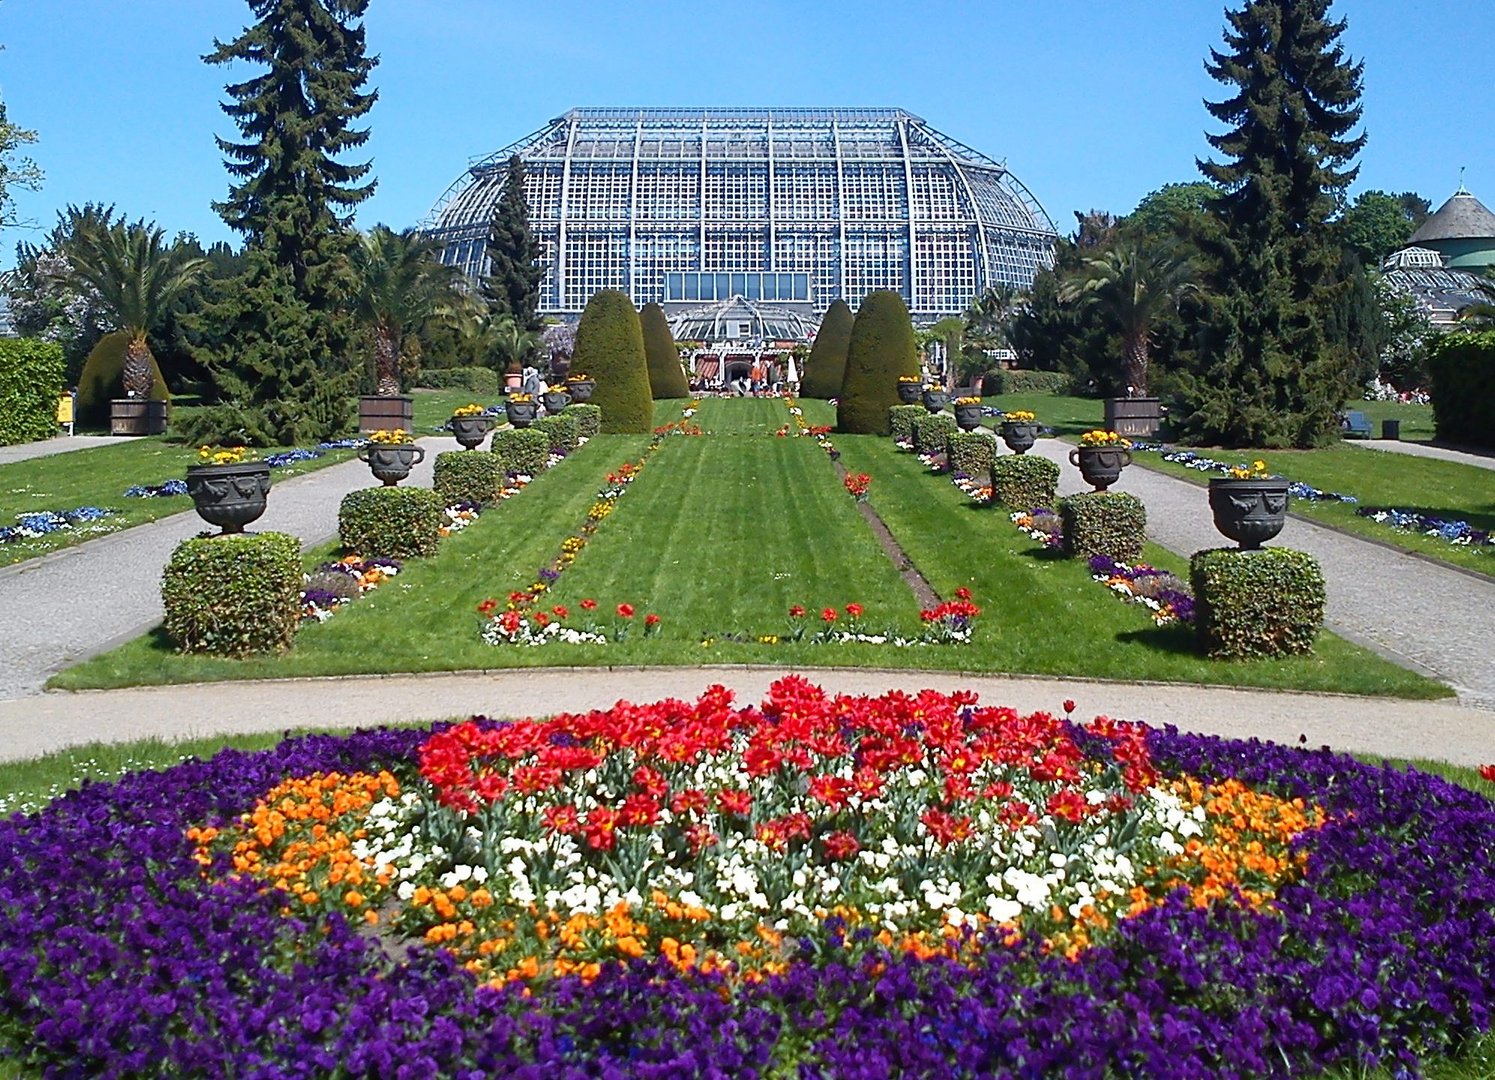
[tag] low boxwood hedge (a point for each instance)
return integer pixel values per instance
(233, 595)
(1250, 604)
(932, 432)
(466, 476)
(588, 419)
(521, 451)
(1025, 382)
(479, 380)
(396, 522)
(1104, 523)
(972, 453)
(1024, 481)
(901, 421)
(561, 431)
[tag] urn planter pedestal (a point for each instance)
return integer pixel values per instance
(521, 413)
(229, 496)
(1100, 465)
(968, 417)
(1019, 435)
(1250, 512)
(554, 401)
(391, 462)
(935, 400)
(580, 390)
(470, 431)
(908, 393)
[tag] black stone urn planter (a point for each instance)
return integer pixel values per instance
(968, 417)
(908, 392)
(229, 496)
(1019, 435)
(1250, 512)
(580, 390)
(1100, 465)
(935, 400)
(471, 430)
(555, 400)
(391, 462)
(521, 413)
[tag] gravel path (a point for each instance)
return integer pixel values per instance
(1414, 612)
(61, 445)
(1417, 449)
(80, 601)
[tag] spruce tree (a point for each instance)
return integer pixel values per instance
(826, 367)
(512, 286)
(666, 376)
(1273, 371)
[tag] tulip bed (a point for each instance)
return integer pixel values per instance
(827, 886)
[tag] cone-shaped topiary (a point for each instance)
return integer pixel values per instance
(826, 367)
(102, 379)
(882, 348)
(610, 348)
(666, 376)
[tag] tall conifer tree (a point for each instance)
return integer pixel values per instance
(1273, 370)
(512, 286)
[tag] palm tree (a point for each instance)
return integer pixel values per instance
(950, 332)
(514, 343)
(399, 284)
(1135, 280)
(137, 278)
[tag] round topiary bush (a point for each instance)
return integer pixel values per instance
(233, 595)
(102, 379)
(825, 368)
(666, 376)
(395, 522)
(882, 348)
(610, 348)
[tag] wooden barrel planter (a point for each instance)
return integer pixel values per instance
(1136, 418)
(136, 416)
(392, 413)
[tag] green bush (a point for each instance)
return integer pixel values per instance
(396, 522)
(901, 421)
(1024, 481)
(1024, 382)
(561, 431)
(466, 476)
(101, 381)
(610, 348)
(1250, 604)
(588, 419)
(932, 432)
(882, 348)
(666, 376)
(972, 453)
(31, 381)
(479, 380)
(1462, 366)
(233, 595)
(1104, 523)
(825, 367)
(521, 451)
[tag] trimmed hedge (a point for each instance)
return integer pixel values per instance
(479, 380)
(521, 450)
(396, 522)
(1462, 367)
(1252, 604)
(32, 377)
(666, 376)
(233, 595)
(103, 379)
(972, 453)
(561, 431)
(825, 367)
(1002, 381)
(901, 421)
(1110, 523)
(466, 476)
(610, 348)
(1024, 481)
(932, 432)
(588, 419)
(882, 348)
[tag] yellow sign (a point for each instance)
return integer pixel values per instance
(65, 411)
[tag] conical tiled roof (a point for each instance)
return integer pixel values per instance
(1462, 217)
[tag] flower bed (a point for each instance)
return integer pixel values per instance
(950, 622)
(822, 886)
(333, 584)
(37, 523)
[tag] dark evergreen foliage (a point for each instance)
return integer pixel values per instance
(882, 348)
(610, 348)
(666, 376)
(825, 369)
(512, 286)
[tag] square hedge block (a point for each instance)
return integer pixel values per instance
(561, 430)
(521, 451)
(972, 453)
(588, 419)
(1104, 523)
(466, 476)
(901, 421)
(1250, 604)
(396, 522)
(233, 595)
(932, 432)
(1024, 481)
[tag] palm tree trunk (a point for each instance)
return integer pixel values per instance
(1135, 364)
(386, 362)
(136, 371)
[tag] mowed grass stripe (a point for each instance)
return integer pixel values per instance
(742, 416)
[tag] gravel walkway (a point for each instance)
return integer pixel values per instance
(61, 445)
(1417, 449)
(80, 601)
(1414, 612)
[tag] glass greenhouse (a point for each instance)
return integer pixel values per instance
(656, 202)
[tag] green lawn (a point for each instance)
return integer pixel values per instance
(1416, 420)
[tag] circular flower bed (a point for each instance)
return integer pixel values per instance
(904, 885)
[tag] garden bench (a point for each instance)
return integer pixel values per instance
(1356, 425)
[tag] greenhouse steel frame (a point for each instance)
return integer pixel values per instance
(861, 199)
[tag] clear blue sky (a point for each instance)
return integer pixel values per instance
(1092, 103)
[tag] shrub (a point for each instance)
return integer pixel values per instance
(521, 451)
(901, 421)
(396, 522)
(588, 419)
(1250, 604)
(610, 348)
(101, 381)
(233, 595)
(31, 381)
(666, 376)
(882, 348)
(932, 432)
(1025, 382)
(1462, 366)
(479, 380)
(1104, 523)
(466, 476)
(825, 367)
(1024, 482)
(972, 453)
(561, 431)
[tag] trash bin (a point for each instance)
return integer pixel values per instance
(1391, 429)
